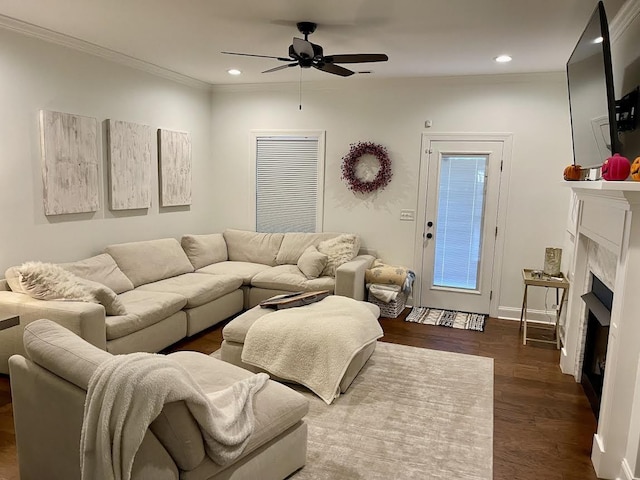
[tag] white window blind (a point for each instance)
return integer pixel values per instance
(461, 198)
(286, 183)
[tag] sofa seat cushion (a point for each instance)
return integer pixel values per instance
(144, 308)
(290, 278)
(276, 406)
(246, 270)
(197, 288)
(151, 260)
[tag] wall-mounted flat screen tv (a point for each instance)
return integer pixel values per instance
(591, 95)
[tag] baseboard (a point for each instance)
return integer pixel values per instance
(626, 472)
(537, 316)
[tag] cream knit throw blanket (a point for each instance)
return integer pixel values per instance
(127, 392)
(312, 345)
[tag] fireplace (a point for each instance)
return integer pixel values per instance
(604, 236)
(598, 308)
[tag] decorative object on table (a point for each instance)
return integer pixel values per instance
(297, 299)
(174, 154)
(350, 161)
(615, 168)
(69, 163)
(552, 260)
(447, 318)
(573, 173)
(129, 148)
(635, 170)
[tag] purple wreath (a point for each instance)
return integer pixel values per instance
(351, 159)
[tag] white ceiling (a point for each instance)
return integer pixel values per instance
(421, 37)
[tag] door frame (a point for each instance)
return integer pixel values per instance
(503, 194)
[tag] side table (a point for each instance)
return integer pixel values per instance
(559, 282)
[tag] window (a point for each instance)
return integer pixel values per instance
(289, 181)
(460, 215)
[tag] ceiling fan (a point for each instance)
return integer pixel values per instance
(305, 54)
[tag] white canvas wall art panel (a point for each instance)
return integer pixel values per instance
(69, 163)
(129, 147)
(174, 151)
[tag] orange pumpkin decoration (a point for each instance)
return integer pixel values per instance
(573, 172)
(635, 170)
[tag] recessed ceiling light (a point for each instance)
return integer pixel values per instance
(503, 59)
(234, 71)
(598, 40)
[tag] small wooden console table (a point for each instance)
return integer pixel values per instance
(559, 282)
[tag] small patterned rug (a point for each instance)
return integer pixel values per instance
(447, 318)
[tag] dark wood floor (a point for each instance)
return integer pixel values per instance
(543, 425)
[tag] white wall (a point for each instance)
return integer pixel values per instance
(38, 75)
(392, 112)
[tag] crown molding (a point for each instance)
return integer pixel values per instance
(96, 50)
(629, 11)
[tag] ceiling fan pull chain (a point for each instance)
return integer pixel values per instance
(300, 92)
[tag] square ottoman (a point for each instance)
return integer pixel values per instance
(235, 332)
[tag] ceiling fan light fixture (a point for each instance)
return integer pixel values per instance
(503, 58)
(234, 71)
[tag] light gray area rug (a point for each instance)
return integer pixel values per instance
(412, 413)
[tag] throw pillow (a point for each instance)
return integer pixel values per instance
(312, 262)
(46, 281)
(339, 250)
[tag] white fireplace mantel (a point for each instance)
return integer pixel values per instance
(608, 213)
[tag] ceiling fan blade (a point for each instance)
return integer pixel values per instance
(303, 48)
(335, 69)
(281, 67)
(282, 59)
(357, 58)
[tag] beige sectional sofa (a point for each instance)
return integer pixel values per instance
(171, 290)
(58, 367)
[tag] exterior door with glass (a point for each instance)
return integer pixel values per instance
(460, 229)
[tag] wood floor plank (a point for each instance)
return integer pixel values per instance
(543, 425)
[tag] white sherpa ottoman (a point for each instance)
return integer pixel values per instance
(337, 334)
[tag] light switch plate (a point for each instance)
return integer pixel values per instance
(408, 215)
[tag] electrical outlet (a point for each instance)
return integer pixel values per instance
(408, 215)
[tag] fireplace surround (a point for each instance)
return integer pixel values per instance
(605, 236)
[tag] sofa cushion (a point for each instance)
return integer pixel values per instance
(62, 352)
(48, 281)
(339, 250)
(276, 406)
(246, 270)
(204, 250)
(144, 308)
(291, 279)
(311, 263)
(102, 269)
(245, 246)
(295, 243)
(197, 288)
(152, 260)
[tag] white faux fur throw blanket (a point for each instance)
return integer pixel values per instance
(312, 345)
(127, 392)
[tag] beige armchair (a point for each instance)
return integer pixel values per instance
(49, 390)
